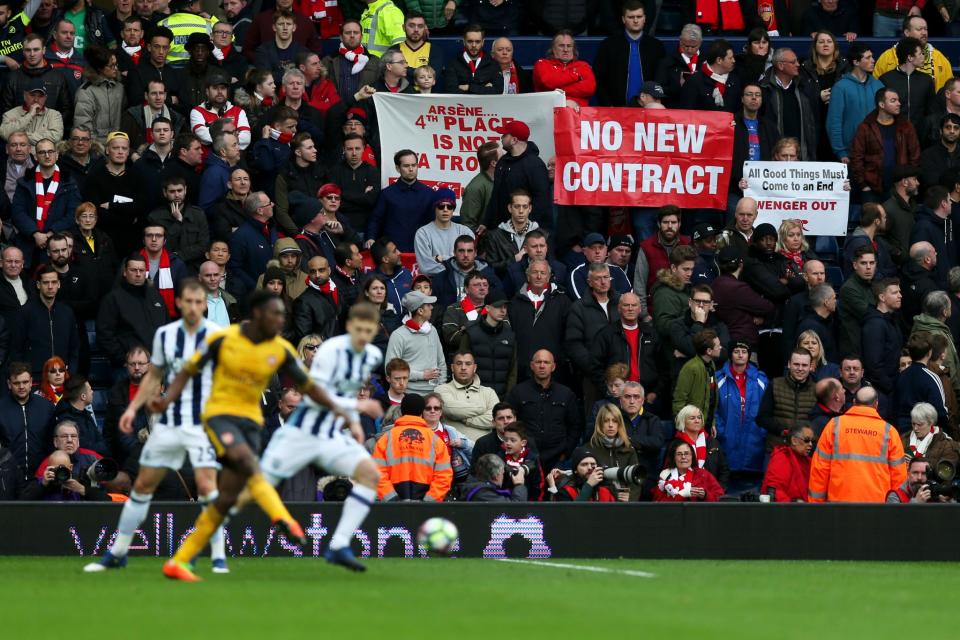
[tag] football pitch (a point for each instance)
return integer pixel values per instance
(457, 598)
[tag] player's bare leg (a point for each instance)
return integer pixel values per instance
(355, 510)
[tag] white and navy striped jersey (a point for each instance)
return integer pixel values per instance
(173, 347)
(341, 372)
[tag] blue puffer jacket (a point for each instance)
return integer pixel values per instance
(741, 439)
(850, 102)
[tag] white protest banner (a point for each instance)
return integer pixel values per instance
(447, 129)
(812, 192)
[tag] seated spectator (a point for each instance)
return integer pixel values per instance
(137, 120)
(675, 69)
(519, 452)
(448, 284)
(696, 383)
(33, 117)
(614, 378)
(536, 247)
(788, 471)
(584, 482)
(76, 488)
(915, 489)
(52, 379)
(459, 446)
(99, 102)
(299, 184)
(830, 401)
(487, 486)
(820, 368)
(165, 270)
(792, 245)
(683, 480)
(374, 291)
(93, 250)
(359, 180)
(224, 155)
(787, 401)
(494, 344)
(278, 54)
(520, 167)
(434, 241)
(645, 430)
(61, 336)
(926, 440)
(612, 448)
(422, 472)
(222, 307)
(814, 273)
(346, 274)
(26, 421)
(184, 225)
(467, 403)
(918, 384)
(458, 315)
(740, 387)
(474, 72)
(714, 86)
(418, 344)
(271, 153)
(939, 160)
(691, 427)
(130, 313)
(288, 256)
(562, 70)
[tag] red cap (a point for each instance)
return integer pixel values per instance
(515, 128)
(329, 188)
(357, 112)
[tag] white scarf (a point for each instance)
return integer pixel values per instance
(131, 50)
(717, 77)
(536, 299)
(358, 61)
(920, 446)
(218, 53)
(49, 194)
(669, 479)
(64, 55)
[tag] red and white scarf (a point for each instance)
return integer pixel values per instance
(164, 281)
(918, 447)
(514, 460)
(673, 484)
(328, 288)
(471, 310)
(45, 198)
(700, 446)
(795, 256)
(220, 54)
(355, 56)
(691, 61)
(63, 55)
(513, 86)
(416, 327)
(134, 52)
(536, 299)
(471, 62)
(719, 83)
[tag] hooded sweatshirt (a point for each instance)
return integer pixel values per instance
(296, 282)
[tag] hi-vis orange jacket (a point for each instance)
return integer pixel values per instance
(414, 462)
(859, 459)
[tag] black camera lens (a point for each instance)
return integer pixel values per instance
(61, 474)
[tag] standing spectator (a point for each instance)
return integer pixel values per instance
(217, 107)
(93, 250)
(787, 401)
(873, 221)
(130, 313)
(42, 204)
(327, 229)
(935, 64)
(62, 55)
(835, 16)
(346, 274)
(535, 247)
(74, 407)
(739, 307)
(154, 67)
(788, 103)
(14, 292)
(185, 225)
(382, 25)
(473, 72)
(359, 182)
(398, 278)
(352, 66)
(26, 421)
(740, 387)
(856, 296)
(214, 183)
(699, 315)
(504, 244)
(930, 131)
(589, 316)
(61, 337)
(278, 53)
(714, 86)
(477, 193)
(851, 99)
(403, 207)
(458, 315)
(697, 384)
(538, 315)
(933, 320)
(644, 428)
(927, 441)
(261, 30)
(120, 444)
(35, 72)
(788, 473)
(918, 383)
(813, 273)
(901, 210)
(492, 341)
(919, 279)
(417, 343)
(222, 307)
(830, 400)
(165, 271)
(658, 248)
(549, 409)
(820, 317)
(187, 156)
(594, 251)
(519, 168)
(873, 464)
(467, 403)
(448, 285)
(630, 342)
(626, 60)
(753, 137)
(416, 46)
(676, 68)
(562, 69)
(934, 224)
(882, 340)
(100, 101)
(434, 241)
(914, 87)
(939, 161)
(118, 192)
(672, 290)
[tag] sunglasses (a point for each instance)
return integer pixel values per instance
(311, 347)
(432, 408)
(56, 370)
(446, 205)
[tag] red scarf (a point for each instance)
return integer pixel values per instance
(164, 280)
(413, 325)
(719, 80)
(515, 460)
(328, 288)
(132, 391)
(693, 62)
(700, 446)
(442, 434)
(514, 86)
(473, 63)
(267, 101)
(355, 56)
(45, 198)
(283, 137)
(795, 256)
(471, 310)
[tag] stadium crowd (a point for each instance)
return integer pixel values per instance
(527, 345)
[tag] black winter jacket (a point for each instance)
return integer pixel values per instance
(537, 329)
(357, 202)
(611, 346)
(90, 436)
(486, 80)
(41, 333)
(123, 221)
(526, 171)
(881, 344)
(697, 93)
(100, 262)
(939, 232)
(767, 133)
(773, 97)
(552, 416)
(495, 350)
(129, 316)
(27, 431)
(121, 444)
(585, 323)
(314, 313)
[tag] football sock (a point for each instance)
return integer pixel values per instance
(355, 509)
(208, 522)
(133, 514)
(217, 551)
(267, 497)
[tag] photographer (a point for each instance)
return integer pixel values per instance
(916, 488)
(59, 484)
(585, 484)
(489, 473)
(613, 448)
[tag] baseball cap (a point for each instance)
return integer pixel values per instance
(415, 299)
(516, 128)
(593, 238)
(495, 298)
(652, 89)
(621, 241)
(35, 85)
(217, 77)
(704, 230)
(729, 253)
(289, 249)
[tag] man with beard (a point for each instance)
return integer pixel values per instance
(901, 209)
(943, 155)
(353, 66)
(216, 107)
(240, 16)
(185, 224)
(121, 444)
(417, 48)
(137, 121)
(78, 288)
(521, 167)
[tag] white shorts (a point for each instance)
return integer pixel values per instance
(168, 446)
(292, 449)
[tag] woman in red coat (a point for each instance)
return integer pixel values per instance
(682, 480)
(789, 469)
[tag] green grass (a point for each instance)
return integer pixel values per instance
(401, 599)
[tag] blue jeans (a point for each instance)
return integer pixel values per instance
(887, 27)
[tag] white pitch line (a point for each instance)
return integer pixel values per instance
(580, 567)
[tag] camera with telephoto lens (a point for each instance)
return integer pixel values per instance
(942, 480)
(526, 466)
(632, 474)
(60, 474)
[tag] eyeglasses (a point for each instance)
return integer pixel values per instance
(806, 440)
(79, 139)
(446, 206)
(311, 347)
(57, 370)
(433, 408)
(265, 206)
(701, 303)
(46, 152)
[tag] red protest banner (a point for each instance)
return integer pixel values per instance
(642, 157)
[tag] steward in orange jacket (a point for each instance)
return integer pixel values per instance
(414, 462)
(859, 457)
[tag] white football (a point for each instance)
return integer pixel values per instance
(438, 535)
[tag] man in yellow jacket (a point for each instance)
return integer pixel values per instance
(859, 457)
(414, 462)
(934, 63)
(382, 24)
